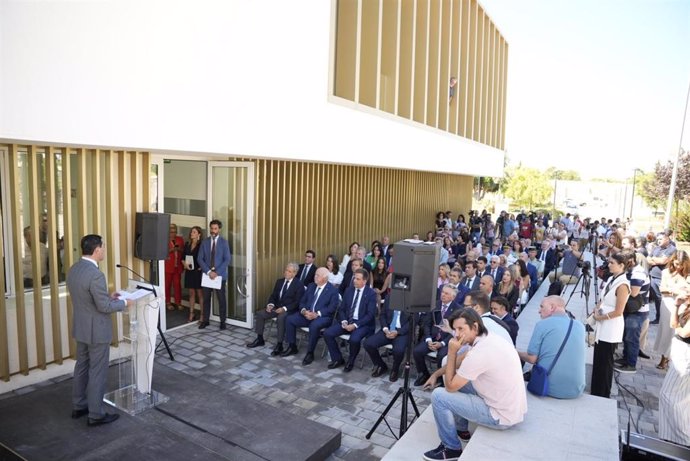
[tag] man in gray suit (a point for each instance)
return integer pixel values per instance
(92, 329)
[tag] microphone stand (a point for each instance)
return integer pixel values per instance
(152, 289)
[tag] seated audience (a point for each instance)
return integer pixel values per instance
(488, 378)
(500, 308)
(567, 379)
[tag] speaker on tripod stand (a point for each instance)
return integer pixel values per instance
(413, 291)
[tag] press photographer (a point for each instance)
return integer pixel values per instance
(571, 258)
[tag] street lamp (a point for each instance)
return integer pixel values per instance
(632, 196)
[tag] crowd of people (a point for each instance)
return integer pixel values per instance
(488, 271)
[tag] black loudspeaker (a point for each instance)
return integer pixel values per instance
(415, 276)
(151, 236)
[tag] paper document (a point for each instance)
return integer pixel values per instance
(140, 293)
(189, 262)
(208, 283)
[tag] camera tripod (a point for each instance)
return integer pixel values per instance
(405, 391)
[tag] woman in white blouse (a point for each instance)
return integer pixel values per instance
(609, 327)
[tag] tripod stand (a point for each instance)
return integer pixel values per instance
(405, 391)
(586, 279)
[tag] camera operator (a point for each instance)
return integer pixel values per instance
(570, 269)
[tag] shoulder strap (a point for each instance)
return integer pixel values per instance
(570, 327)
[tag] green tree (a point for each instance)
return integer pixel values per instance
(527, 187)
(564, 175)
(655, 187)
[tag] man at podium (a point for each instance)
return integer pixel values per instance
(92, 329)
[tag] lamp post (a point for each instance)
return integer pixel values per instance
(632, 195)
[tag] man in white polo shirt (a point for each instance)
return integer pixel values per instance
(489, 381)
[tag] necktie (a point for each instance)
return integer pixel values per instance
(354, 306)
(213, 252)
(444, 308)
(394, 323)
(467, 284)
(493, 273)
(316, 298)
(285, 287)
(304, 272)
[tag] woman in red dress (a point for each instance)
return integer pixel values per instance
(173, 268)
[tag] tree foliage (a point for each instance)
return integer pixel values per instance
(527, 187)
(654, 188)
(564, 175)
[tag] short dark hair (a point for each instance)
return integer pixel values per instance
(471, 318)
(471, 263)
(483, 258)
(480, 299)
(89, 243)
(217, 222)
(310, 252)
(503, 301)
(364, 272)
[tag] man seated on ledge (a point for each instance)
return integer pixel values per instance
(489, 378)
(567, 379)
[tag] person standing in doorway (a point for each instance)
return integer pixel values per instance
(214, 259)
(173, 269)
(92, 329)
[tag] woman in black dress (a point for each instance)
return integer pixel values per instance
(192, 273)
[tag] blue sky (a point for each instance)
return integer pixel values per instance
(595, 86)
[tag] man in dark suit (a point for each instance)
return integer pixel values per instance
(317, 309)
(352, 267)
(357, 317)
(214, 259)
(532, 271)
(500, 308)
(495, 270)
(471, 279)
(308, 269)
(548, 257)
(482, 266)
(434, 338)
(92, 329)
(283, 301)
(395, 328)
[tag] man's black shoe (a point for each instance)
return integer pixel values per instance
(348, 368)
(336, 364)
(309, 358)
(291, 350)
(421, 379)
(394, 376)
(222, 326)
(379, 371)
(654, 322)
(203, 325)
(256, 343)
(108, 418)
(642, 354)
(79, 413)
(277, 350)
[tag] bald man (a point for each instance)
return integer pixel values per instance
(567, 379)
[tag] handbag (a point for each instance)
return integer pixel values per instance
(539, 380)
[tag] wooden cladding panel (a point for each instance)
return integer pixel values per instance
(42, 185)
(398, 56)
(325, 207)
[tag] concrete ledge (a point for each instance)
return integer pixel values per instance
(578, 429)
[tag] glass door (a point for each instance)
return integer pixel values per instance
(231, 192)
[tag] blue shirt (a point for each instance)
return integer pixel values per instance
(567, 379)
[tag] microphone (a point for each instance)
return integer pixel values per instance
(150, 288)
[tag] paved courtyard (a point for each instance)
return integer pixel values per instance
(350, 402)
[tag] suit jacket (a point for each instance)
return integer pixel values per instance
(345, 284)
(513, 325)
(386, 318)
(499, 274)
(434, 318)
(367, 307)
(310, 274)
(290, 298)
(328, 301)
(91, 321)
(533, 275)
(475, 282)
(222, 257)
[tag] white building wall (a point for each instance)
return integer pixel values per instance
(237, 77)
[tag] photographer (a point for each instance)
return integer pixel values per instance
(571, 257)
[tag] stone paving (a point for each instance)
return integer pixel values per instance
(350, 402)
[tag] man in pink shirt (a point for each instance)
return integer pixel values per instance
(488, 378)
